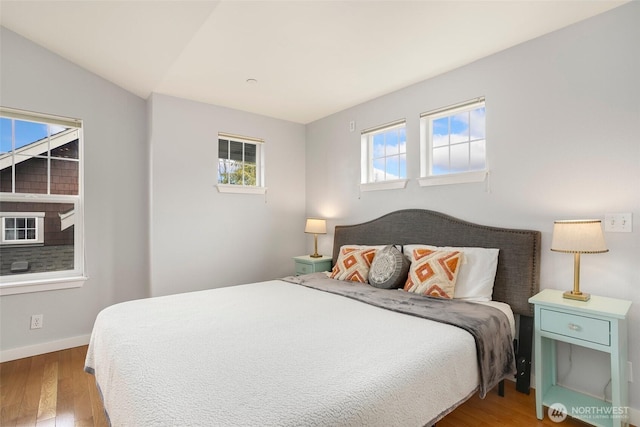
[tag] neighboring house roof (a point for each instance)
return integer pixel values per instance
(67, 219)
(37, 148)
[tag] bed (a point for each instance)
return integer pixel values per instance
(312, 350)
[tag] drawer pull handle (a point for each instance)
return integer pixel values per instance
(574, 327)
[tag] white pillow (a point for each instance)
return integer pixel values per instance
(477, 273)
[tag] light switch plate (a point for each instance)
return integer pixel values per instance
(618, 222)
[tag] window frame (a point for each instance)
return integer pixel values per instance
(367, 158)
(60, 279)
(427, 178)
(38, 218)
(243, 188)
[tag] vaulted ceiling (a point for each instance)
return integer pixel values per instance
(295, 60)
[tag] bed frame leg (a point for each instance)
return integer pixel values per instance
(523, 356)
(501, 388)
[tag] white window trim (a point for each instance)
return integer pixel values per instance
(38, 282)
(241, 189)
(395, 184)
(42, 285)
(366, 165)
(39, 216)
(454, 178)
(426, 152)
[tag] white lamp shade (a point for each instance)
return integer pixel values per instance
(578, 236)
(316, 226)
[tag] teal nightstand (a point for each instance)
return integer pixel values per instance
(306, 264)
(600, 324)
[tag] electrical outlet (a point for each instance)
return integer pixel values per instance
(352, 126)
(617, 222)
(36, 321)
(629, 371)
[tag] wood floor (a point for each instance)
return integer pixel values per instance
(514, 409)
(53, 390)
(50, 390)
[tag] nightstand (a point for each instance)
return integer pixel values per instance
(599, 324)
(306, 264)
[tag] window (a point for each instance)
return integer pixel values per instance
(19, 228)
(240, 167)
(384, 156)
(453, 143)
(41, 207)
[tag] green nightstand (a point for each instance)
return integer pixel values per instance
(306, 264)
(600, 324)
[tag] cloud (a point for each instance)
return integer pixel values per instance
(379, 175)
(54, 129)
(394, 148)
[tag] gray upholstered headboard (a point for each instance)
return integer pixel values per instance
(518, 274)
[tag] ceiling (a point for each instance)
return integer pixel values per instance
(311, 58)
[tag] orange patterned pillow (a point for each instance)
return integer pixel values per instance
(433, 273)
(353, 263)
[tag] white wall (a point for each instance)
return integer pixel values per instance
(563, 127)
(202, 238)
(116, 181)
(563, 134)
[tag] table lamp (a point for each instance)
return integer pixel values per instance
(578, 237)
(315, 226)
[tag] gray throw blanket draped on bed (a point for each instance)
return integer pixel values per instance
(489, 326)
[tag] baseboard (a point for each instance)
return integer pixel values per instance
(42, 348)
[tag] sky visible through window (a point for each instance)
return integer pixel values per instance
(458, 142)
(389, 154)
(25, 133)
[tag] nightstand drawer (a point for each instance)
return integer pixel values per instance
(303, 268)
(307, 264)
(575, 326)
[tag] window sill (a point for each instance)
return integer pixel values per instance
(454, 178)
(15, 288)
(240, 189)
(384, 185)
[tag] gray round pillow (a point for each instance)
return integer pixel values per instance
(389, 268)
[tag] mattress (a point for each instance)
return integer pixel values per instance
(276, 353)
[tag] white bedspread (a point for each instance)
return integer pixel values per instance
(274, 353)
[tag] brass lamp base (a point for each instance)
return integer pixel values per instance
(315, 247)
(580, 296)
(576, 294)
